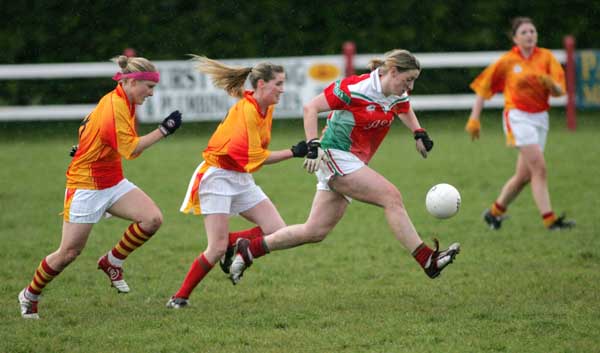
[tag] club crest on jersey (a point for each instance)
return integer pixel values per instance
(517, 69)
(371, 108)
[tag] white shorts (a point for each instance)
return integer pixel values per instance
(338, 163)
(89, 206)
(522, 128)
(228, 192)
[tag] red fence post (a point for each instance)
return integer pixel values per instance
(569, 43)
(349, 50)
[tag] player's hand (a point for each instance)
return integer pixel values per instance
(314, 156)
(170, 124)
(546, 81)
(473, 127)
(74, 149)
(300, 149)
(423, 143)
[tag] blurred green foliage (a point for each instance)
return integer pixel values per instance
(92, 31)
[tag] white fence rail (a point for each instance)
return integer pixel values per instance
(183, 88)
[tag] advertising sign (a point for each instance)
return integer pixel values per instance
(185, 89)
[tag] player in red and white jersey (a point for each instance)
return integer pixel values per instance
(96, 185)
(528, 76)
(362, 110)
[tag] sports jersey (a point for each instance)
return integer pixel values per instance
(239, 144)
(105, 135)
(241, 141)
(517, 77)
(361, 114)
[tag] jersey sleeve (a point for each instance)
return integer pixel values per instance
(491, 81)
(338, 95)
(557, 73)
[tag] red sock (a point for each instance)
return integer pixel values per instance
(548, 218)
(422, 254)
(497, 209)
(258, 247)
(248, 234)
(200, 268)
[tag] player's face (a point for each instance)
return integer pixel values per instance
(273, 89)
(140, 90)
(526, 36)
(401, 82)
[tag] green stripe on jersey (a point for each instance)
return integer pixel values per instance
(362, 96)
(339, 128)
(399, 100)
(337, 90)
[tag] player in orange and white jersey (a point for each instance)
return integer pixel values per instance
(96, 185)
(528, 76)
(223, 185)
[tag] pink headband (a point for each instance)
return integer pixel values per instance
(143, 75)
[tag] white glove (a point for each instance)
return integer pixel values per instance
(314, 156)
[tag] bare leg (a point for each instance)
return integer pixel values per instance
(74, 238)
(516, 183)
(327, 209)
(371, 187)
(266, 216)
(217, 233)
(534, 159)
(139, 208)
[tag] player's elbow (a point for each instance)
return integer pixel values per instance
(309, 109)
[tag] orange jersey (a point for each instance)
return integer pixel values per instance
(241, 141)
(105, 135)
(518, 78)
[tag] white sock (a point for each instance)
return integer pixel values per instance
(31, 296)
(114, 260)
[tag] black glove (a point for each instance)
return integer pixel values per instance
(73, 150)
(171, 123)
(421, 134)
(314, 156)
(300, 149)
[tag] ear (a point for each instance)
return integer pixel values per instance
(260, 83)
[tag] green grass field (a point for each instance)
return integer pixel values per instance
(521, 289)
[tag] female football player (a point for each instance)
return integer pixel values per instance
(527, 75)
(96, 185)
(223, 185)
(362, 110)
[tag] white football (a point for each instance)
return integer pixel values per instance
(442, 201)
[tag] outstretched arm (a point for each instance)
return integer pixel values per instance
(473, 126)
(147, 141)
(424, 144)
(410, 120)
(169, 125)
(311, 115)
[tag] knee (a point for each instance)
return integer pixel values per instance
(216, 250)
(522, 179)
(152, 222)
(539, 171)
(393, 199)
(317, 234)
(67, 256)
